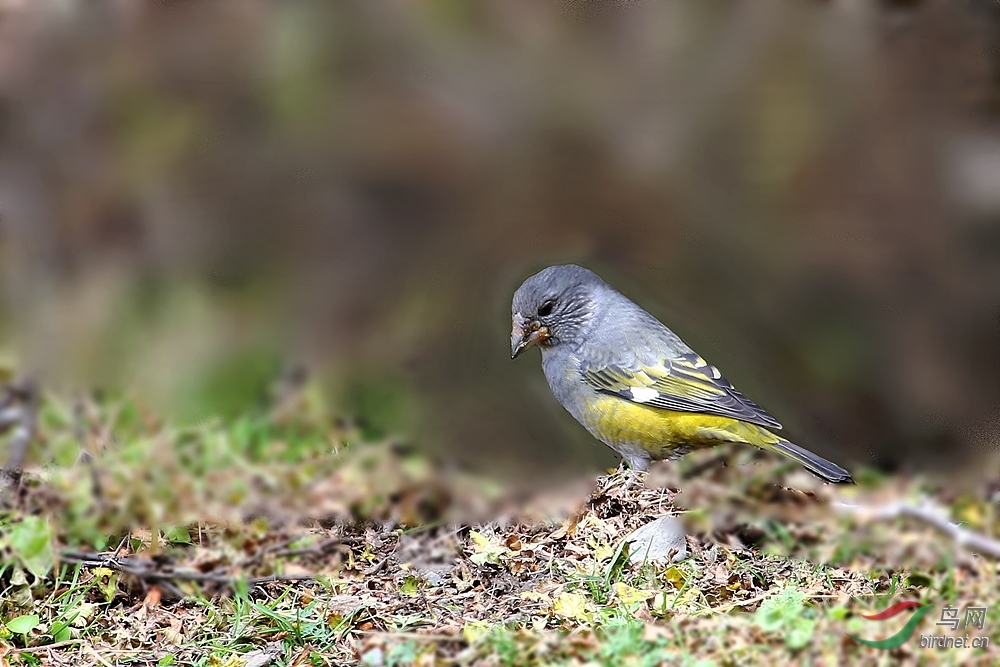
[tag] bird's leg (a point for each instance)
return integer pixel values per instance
(636, 470)
(633, 478)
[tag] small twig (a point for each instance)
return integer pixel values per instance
(9, 415)
(7, 397)
(257, 581)
(170, 589)
(121, 545)
(376, 568)
(24, 433)
(269, 551)
(318, 549)
(749, 601)
(80, 428)
(414, 635)
(46, 647)
(930, 515)
(282, 550)
(289, 387)
(711, 463)
(145, 570)
(88, 647)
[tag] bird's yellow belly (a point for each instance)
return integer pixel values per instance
(664, 434)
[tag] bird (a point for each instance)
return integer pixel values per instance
(631, 381)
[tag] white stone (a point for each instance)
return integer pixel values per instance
(660, 541)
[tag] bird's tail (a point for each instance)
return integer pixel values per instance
(817, 465)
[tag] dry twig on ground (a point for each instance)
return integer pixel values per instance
(930, 515)
(18, 409)
(149, 570)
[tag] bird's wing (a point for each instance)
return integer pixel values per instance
(685, 382)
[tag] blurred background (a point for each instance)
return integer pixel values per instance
(199, 198)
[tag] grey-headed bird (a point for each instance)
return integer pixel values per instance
(631, 381)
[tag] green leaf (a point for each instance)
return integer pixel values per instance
(485, 550)
(618, 560)
(82, 614)
(799, 633)
(22, 625)
(838, 613)
(107, 582)
(778, 612)
(475, 630)
(411, 586)
(786, 613)
(404, 653)
(178, 535)
(31, 542)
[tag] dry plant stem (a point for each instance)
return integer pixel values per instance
(930, 515)
(46, 647)
(9, 415)
(282, 550)
(151, 572)
(24, 433)
(80, 429)
(147, 570)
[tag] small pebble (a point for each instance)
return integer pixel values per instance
(660, 541)
(374, 657)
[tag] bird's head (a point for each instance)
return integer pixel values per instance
(554, 306)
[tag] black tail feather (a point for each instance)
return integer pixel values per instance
(817, 465)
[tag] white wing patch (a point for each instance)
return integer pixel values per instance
(643, 394)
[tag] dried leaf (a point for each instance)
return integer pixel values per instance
(572, 605)
(628, 595)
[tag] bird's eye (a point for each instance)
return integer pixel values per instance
(546, 308)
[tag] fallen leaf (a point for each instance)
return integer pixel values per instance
(571, 605)
(152, 598)
(628, 595)
(473, 631)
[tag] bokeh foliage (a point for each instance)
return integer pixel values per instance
(196, 195)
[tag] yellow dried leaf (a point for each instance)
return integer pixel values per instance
(473, 631)
(605, 551)
(534, 595)
(970, 513)
(629, 595)
(481, 541)
(571, 605)
(690, 596)
(675, 576)
(486, 551)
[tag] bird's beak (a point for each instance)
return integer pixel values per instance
(522, 337)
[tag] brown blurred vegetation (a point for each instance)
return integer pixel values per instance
(195, 194)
